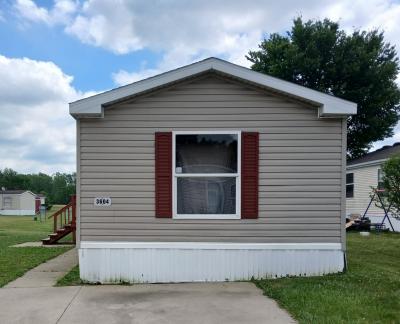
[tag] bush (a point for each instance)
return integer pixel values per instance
(391, 184)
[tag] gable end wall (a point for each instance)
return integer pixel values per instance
(301, 162)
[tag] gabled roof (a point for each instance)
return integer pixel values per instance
(375, 157)
(328, 106)
(16, 192)
(12, 192)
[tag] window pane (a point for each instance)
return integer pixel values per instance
(349, 177)
(380, 179)
(7, 202)
(206, 195)
(349, 191)
(206, 153)
(380, 175)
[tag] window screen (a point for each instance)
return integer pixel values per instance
(206, 174)
(203, 153)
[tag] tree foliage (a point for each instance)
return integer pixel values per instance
(57, 187)
(391, 184)
(360, 67)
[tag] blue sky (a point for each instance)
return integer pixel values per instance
(54, 52)
(91, 66)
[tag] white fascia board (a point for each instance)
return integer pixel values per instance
(209, 245)
(18, 194)
(93, 105)
(365, 164)
(329, 106)
(30, 192)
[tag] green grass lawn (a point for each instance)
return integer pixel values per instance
(369, 292)
(71, 278)
(14, 262)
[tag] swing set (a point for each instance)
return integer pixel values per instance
(378, 193)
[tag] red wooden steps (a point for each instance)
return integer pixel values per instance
(64, 223)
(53, 238)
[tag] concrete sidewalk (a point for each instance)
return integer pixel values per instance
(236, 302)
(47, 274)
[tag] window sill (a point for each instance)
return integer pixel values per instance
(206, 216)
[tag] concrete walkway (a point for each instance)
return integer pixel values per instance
(40, 244)
(236, 302)
(47, 274)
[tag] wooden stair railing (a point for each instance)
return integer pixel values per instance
(64, 222)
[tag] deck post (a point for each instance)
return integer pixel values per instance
(55, 224)
(73, 201)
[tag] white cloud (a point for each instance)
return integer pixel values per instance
(123, 77)
(107, 25)
(131, 26)
(184, 32)
(187, 31)
(36, 131)
(61, 13)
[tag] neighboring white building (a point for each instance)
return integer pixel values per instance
(19, 202)
(362, 176)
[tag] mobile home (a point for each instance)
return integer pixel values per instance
(19, 202)
(210, 172)
(363, 175)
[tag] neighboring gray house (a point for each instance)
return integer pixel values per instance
(210, 172)
(362, 175)
(18, 202)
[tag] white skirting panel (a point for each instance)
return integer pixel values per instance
(109, 262)
(18, 212)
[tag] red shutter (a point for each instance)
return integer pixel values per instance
(249, 175)
(163, 174)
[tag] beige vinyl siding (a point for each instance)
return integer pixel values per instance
(27, 201)
(300, 165)
(364, 178)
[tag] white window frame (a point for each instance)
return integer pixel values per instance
(175, 176)
(7, 202)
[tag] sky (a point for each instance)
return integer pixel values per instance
(55, 52)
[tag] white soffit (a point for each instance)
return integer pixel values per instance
(328, 106)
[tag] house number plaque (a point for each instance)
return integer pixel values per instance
(102, 201)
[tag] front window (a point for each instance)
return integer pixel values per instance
(206, 174)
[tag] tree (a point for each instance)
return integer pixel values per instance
(391, 184)
(360, 67)
(10, 179)
(59, 192)
(40, 183)
(57, 188)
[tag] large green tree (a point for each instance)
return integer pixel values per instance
(360, 67)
